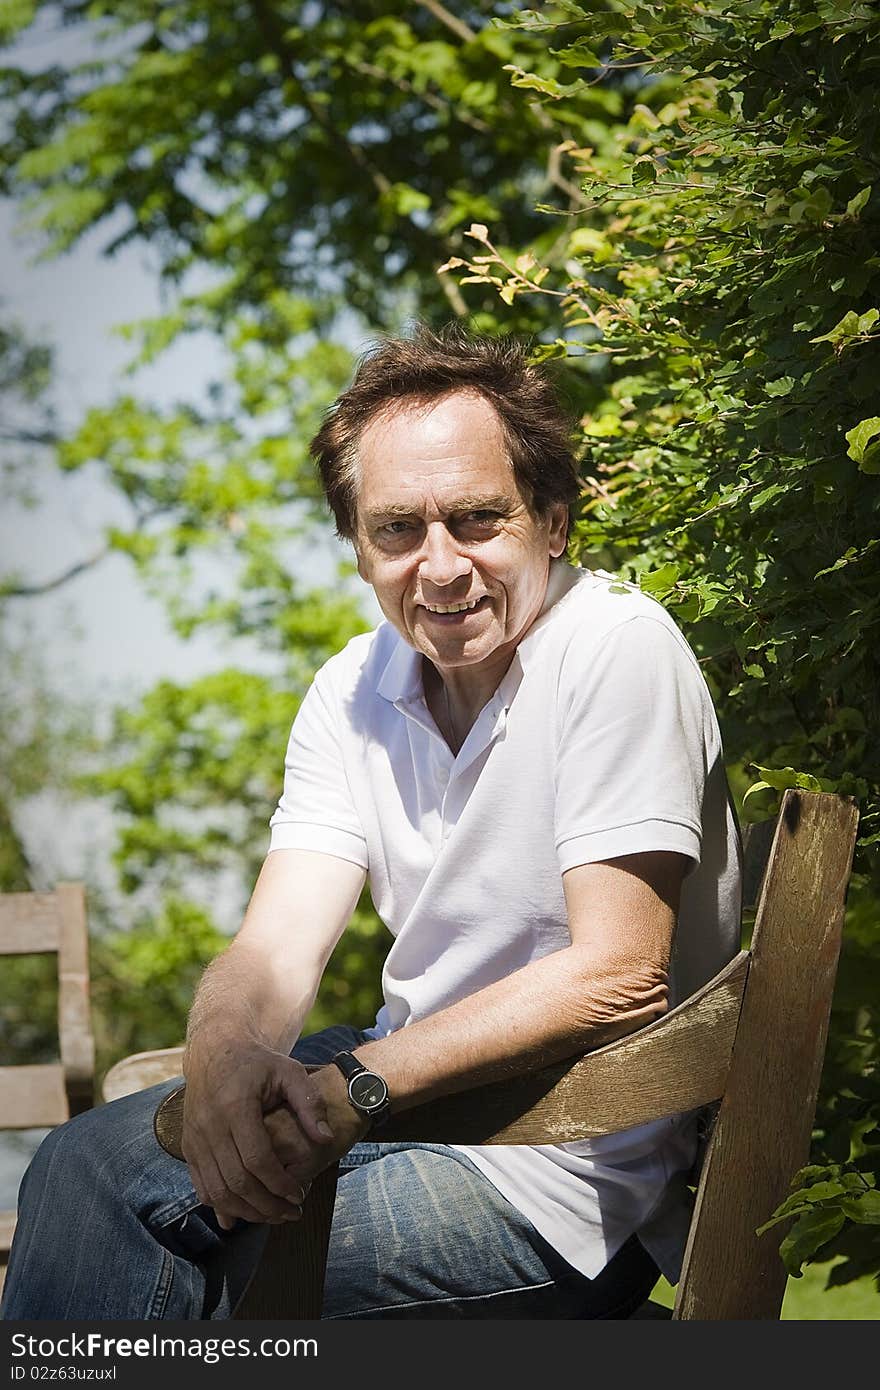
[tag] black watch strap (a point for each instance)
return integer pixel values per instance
(367, 1091)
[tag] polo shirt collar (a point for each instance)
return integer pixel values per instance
(562, 580)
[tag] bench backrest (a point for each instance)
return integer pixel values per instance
(38, 1097)
(32, 1097)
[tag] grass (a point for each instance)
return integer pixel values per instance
(807, 1300)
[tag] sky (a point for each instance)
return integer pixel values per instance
(105, 631)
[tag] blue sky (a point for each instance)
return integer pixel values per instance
(108, 633)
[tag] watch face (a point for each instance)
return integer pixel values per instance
(367, 1090)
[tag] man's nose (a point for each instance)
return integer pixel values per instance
(443, 561)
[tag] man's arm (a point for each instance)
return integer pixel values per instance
(611, 980)
(247, 1013)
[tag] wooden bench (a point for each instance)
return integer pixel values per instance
(749, 1045)
(36, 1097)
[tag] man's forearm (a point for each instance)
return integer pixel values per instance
(552, 1008)
(610, 981)
(262, 987)
(240, 1000)
(248, 1012)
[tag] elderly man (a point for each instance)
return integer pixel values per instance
(524, 760)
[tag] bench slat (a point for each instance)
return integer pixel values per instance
(140, 1070)
(29, 923)
(762, 1133)
(33, 1097)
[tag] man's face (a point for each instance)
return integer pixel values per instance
(458, 562)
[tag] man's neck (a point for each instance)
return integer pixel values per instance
(454, 704)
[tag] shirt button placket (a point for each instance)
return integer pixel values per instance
(446, 779)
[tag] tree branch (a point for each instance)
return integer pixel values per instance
(410, 231)
(557, 179)
(438, 103)
(274, 36)
(457, 26)
(42, 437)
(33, 590)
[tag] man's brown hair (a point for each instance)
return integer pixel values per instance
(427, 366)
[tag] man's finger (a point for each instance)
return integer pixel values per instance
(212, 1193)
(235, 1191)
(197, 1181)
(260, 1159)
(308, 1106)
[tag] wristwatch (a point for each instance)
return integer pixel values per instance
(367, 1092)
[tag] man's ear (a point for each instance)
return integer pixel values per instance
(558, 529)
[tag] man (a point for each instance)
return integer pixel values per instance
(525, 761)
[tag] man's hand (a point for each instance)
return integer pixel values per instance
(302, 1159)
(228, 1141)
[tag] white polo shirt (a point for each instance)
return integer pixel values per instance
(600, 741)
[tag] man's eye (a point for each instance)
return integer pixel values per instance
(395, 528)
(481, 518)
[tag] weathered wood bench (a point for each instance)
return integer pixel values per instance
(36, 1097)
(750, 1042)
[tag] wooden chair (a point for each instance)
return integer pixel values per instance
(749, 1044)
(33, 1097)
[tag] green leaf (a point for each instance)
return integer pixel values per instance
(846, 328)
(659, 581)
(802, 1200)
(859, 437)
(15, 15)
(644, 171)
(781, 778)
(817, 207)
(864, 1209)
(689, 609)
(578, 55)
(855, 205)
(758, 804)
(405, 199)
(548, 86)
(780, 387)
(852, 556)
(870, 461)
(808, 1233)
(813, 1173)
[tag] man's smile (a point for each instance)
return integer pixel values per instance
(446, 610)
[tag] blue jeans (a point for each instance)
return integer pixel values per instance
(109, 1227)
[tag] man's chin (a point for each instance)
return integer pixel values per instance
(451, 654)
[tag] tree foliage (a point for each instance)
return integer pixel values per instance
(723, 290)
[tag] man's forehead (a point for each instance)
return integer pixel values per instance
(447, 456)
(432, 423)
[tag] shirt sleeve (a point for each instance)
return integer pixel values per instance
(637, 735)
(316, 810)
